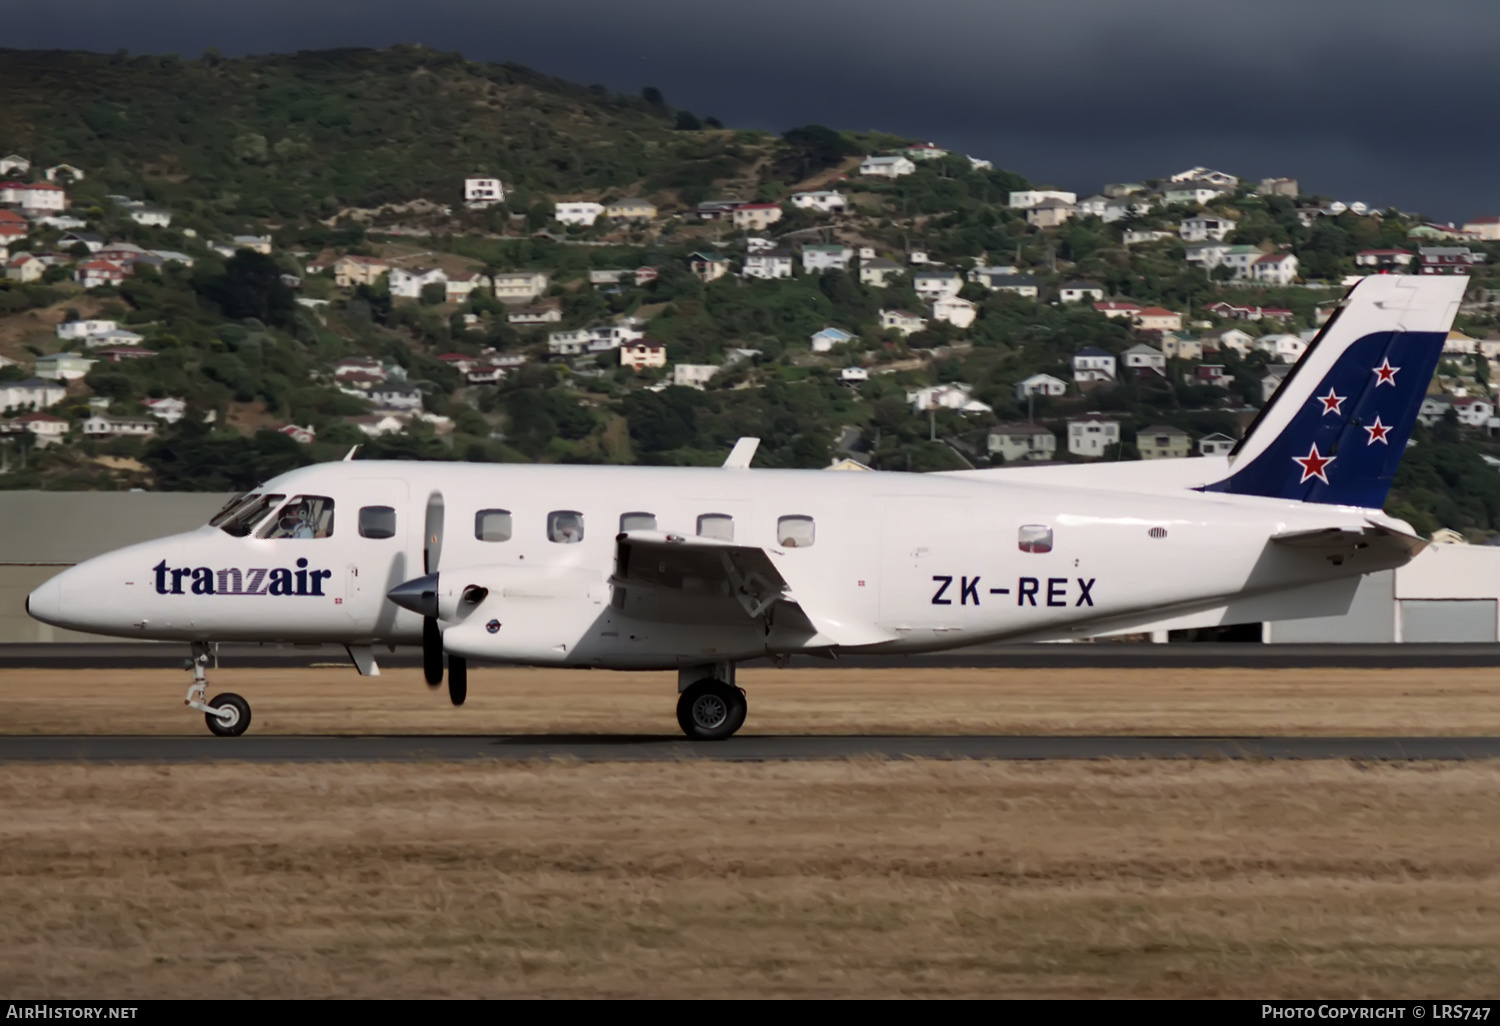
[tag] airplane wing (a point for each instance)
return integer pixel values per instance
(684, 578)
(1341, 542)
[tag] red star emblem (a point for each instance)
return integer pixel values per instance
(1385, 374)
(1313, 465)
(1378, 431)
(1331, 403)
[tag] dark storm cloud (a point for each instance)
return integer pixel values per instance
(1380, 101)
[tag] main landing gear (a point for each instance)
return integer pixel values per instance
(228, 715)
(711, 708)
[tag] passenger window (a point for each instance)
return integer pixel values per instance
(796, 532)
(244, 521)
(377, 522)
(565, 526)
(637, 522)
(1035, 538)
(716, 525)
(492, 525)
(306, 516)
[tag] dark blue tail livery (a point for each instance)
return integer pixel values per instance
(1335, 430)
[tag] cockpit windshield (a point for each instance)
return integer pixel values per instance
(306, 516)
(242, 520)
(232, 505)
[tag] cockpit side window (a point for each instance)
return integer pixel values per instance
(306, 516)
(233, 504)
(242, 521)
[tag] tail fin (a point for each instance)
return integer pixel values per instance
(1335, 430)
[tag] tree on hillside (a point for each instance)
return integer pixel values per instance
(250, 286)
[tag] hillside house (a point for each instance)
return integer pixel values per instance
(483, 192)
(1023, 285)
(708, 267)
(1141, 236)
(458, 288)
(300, 435)
(1213, 374)
(170, 409)
(1142, 356)
(408, 282)
(546, 312)
(1017, 443)
(358, 365)
(825, 201)
(1215, 444)
(151, 217)
(1385, 259)
(582, 213)
(1282, 347)
(92, 274)
(377, 424)
(886, 167)
(1277, 187)
(1080, 292)
(63, 366)
(119, 354)
(23, 267)
(756, 217)
(825, 340)
(1093, 206)
(693, 375)
(461, 362)
(608, 275)
(879, 272)
(1487, 229)
(84, 328)
(1192, 193)
(486, 373)
(1275, 269)
(1179, 345)
(1206, 255)
(1049, 213)
(106, 425)
(1113, 308)
(1473, 411)
(958, 312)
(925, 151)
(1090, 435)
(900, 320)
(1093, 366)
(1156, 318)
(853, 376)
(631, 209)
(1028, 198)
(1120, 207)
(30, 394)
(776, 263)
(35, 197)
(643, 353)
(826, 257)
(1205, 227)
(1448, 259)
(1163, 442)
(933, 284)
(47, 429)
(759, 244)
(66, 172)
(14, 164)
(353, 271)
(396, 395)
(92, 242)
(520, 287)
(1206, 175)
(254, 243)
(112, 337)
(1041, 384)
(946, 397)
(717, 210)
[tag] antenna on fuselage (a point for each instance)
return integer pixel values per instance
(349, 455)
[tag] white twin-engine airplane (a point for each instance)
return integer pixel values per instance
(697, 569)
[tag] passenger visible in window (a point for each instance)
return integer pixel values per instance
(566, 527)
(796, 532)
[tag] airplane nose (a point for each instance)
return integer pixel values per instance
(45, 603)
(420, 595)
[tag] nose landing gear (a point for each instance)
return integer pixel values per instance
(228, 715)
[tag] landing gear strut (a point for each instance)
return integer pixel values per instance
(711, 709)
(228, 715)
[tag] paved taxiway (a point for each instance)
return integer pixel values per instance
(620, 748)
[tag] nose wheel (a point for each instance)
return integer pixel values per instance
(228, 715)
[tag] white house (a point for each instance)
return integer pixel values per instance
(1192, 192)
(1092, 365)
(826, 201)
(1080, 292)
(958, 312)
(756, 217)
(1276, 269)
(1208, 175)
(1285, 348)
(1140, 236)
(519, 286)
(1093, 206)
(408, 282)
(853, 376)
(1028, 198)
(1120, 207)
(1024, 285)
(925, 151)
(1113, 308)
(693, 375)
(483, 192)
(1049, 213)
(775, 264)
(878, 272)
(24, 267)
(171, 409)
(91, 274)
(49, 430)
(39, 197)
(31, 394)
(396, 395)
(643, 353)
(886, 167)
(900, 320)
(63, 366)
(580, 213)
(14, 163)
(1473, 411)
(1145, 357)
(458, 289)
(1091, 434)
(104, 425)
(112, 337)
(1205, 227)
(976, 164)
(152, 217)
(826, 257)
(1041, 384)
(934, 284)
(1215, 444)
(1235, 339)
(1021, 442)
(826, 339)
(946, 397)
(377, 424)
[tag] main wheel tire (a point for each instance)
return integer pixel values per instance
(237, 724)
(711, 710)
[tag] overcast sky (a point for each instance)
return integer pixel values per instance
(1377, 101)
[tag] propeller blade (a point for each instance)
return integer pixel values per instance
(432, 652)
(458, 679)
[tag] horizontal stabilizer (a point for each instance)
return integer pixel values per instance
(1334, 541)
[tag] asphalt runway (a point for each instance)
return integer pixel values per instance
(146, 655)
(620, 748)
